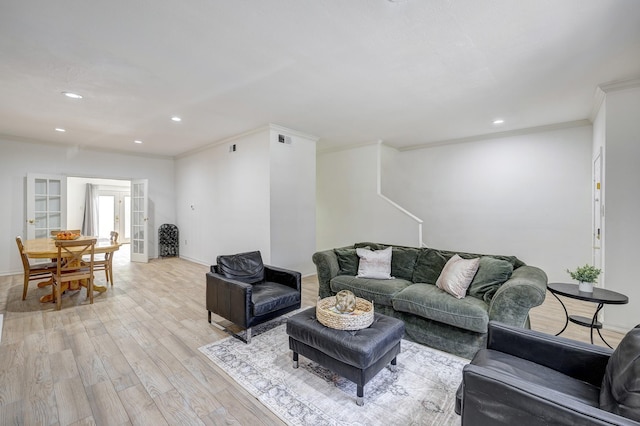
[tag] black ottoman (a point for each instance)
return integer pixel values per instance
(355, 355)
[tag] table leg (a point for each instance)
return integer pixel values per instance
(566, 316)
(593, 321)
(72, 286)
(49, 297)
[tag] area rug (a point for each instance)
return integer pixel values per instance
(420, 392)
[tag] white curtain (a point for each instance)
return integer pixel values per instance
(90, 222)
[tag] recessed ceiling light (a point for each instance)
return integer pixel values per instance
(176, 119)
(498, 121)
(72, 95)
(60, 129)
(137, 141)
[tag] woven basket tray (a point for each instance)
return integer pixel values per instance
(361, 318)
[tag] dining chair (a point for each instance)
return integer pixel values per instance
(73, 268)
(33, 272)
(106, 264)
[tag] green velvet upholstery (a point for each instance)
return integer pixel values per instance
(428, 301)
(491, 274)
(378, 291)
(348, 261)
(431, 316)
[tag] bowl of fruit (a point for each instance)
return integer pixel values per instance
(66, 235)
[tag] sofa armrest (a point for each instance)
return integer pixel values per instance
(229, 298)
(283, 276)
(494, 398)
(579, 360)
(327, 267)
(525, 289)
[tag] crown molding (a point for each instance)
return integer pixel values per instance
(613, 86)
(291, 132)
(598, 100)
(497, 135)
(78, 147)
(609, 87)
(223, 141)
(349, 146)
(264, 128)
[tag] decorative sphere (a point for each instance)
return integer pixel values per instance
(345, 301)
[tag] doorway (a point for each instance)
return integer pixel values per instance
(113, 205)
(114, 213)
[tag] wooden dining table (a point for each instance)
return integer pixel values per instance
(45, 248)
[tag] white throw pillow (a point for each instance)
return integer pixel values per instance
(457, 274)
(374, 264)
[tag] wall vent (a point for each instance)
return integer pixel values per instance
(284, 139)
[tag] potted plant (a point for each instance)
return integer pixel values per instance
(586, 275)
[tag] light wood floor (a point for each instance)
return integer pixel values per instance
(132, 357)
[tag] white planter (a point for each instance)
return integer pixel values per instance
(585, 287)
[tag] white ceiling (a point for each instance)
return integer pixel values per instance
(347, 71)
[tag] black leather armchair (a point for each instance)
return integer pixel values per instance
(526, 377)
(241, 289)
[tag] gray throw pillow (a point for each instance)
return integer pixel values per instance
(491, 274)
(348, 261)
(620, 390)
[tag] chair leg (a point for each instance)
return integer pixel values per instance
(26, 285)
(90, 289)
(111, 273)
(57, 295)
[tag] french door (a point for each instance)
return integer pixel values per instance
(139, 220)
(46, 204)
(114, 212)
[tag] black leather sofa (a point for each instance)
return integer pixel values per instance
(525, 377)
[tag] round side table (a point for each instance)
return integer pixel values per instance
(600, 296)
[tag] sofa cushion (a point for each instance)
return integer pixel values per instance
(403, 262)
(492, 273)
(457, 275)
(403, 258)
(347, 261)
(429, 265)
(620, 391)
(379, 291)
(428, 301)
(246, 267)
(374, 263)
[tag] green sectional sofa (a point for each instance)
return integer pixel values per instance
(504, 289)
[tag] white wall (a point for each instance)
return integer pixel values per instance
(17, 158)
(349, 209)
(222, 199)
(293, 201)
(526, 195)
(622, 204)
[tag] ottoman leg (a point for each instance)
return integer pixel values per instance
(360, 398)
(295, 360)
(393, 367)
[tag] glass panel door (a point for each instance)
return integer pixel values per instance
(139, 221)
(46, 205)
